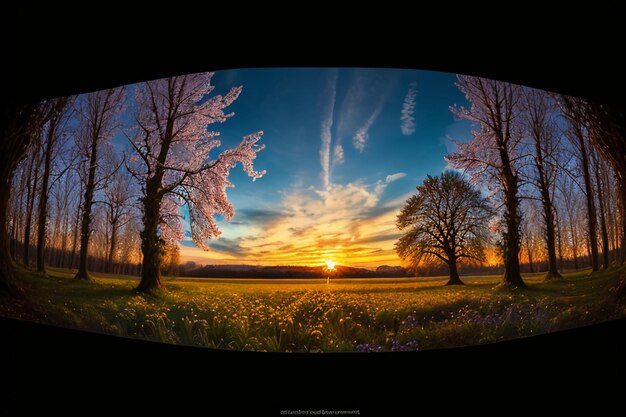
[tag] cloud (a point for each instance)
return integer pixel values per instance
(395, 177)
(262, 216)
(338, 155)
(361, 135)
(349, 224)
(326, 127)
(360, 101)
(408, 107)
(228, 246)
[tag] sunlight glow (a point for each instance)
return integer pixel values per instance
(330, 265)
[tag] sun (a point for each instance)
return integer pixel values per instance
(330, 265)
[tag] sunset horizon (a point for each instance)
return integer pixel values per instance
(344, 149)
(319, 210)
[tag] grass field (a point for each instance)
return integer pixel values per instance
(308, 315)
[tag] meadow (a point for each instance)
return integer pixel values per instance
(307, 315)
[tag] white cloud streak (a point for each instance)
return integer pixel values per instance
(361, 135)
(395, 177)
(408, 108)
(338, 157)
(326, 127)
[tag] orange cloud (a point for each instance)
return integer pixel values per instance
(345, 223)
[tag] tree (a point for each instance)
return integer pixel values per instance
(541, 129)
(98, 114)
(54, 134)
(575, 112)
(117, 196)
(446, 221)
(81, 172)
(531, 234)
(608, 134)
(19, 126)
(602, 204)
(174, 166)
(571, 198)
(492, 156)
(31, 190)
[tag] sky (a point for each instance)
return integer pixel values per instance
(344, 150)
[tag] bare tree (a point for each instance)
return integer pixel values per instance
(608, 133)
(601, 196)
(531, 234)
(54, 135)
(571, 197)
(19, 126)
(446, 221)
(117, 198)
(98, 113)
(31, 191)
(541, 130)
(574, 110)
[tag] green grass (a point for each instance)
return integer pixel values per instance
(308, 315)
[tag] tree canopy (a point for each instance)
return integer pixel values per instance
(446, 221)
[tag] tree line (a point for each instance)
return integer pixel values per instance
(100, 181)
(553, 168)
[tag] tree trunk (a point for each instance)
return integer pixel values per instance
(603, 229)
(512, 274)
(43, 199)
(608, 132)
(7, 283)
(454, 274)
(612, 216)
(559, 240)
(75, 237)
(553, 272)
(151, 244)
(16, 132)
(66, 222)
(108, 266)
(591, 207)
(17, 215)
(548, 211)
(29, 211)
(152, 247)
(622, 252)
(573, 234)
(85, 227)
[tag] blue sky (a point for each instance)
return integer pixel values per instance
(339, 163)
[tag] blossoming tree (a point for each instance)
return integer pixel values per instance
(492, 156)
(174, 165)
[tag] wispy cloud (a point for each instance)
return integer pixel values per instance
(338, 155)
(395, 177)
(258, 216)
(408, 108)
(326, 127)
(351, 224)
(346, 223)
(361, 135)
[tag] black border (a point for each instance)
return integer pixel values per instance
(576, 51)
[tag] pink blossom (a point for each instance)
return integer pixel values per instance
(171, 138)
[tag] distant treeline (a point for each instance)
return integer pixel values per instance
(68, 259)
(250, 271)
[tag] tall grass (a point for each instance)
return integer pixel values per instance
(375, 315)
